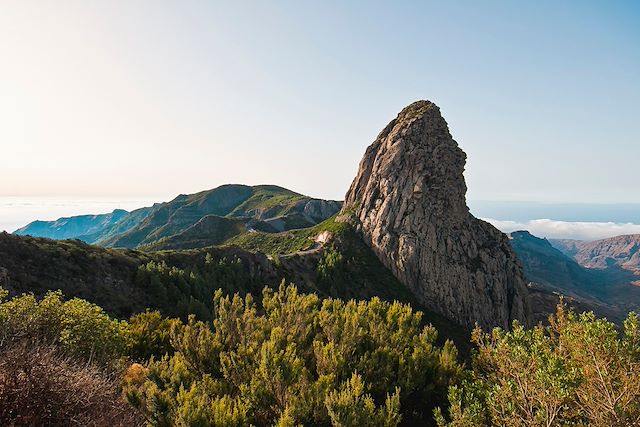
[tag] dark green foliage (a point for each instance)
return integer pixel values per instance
(179, 292)
(346, 268)
(178, 283)
(102, 276)
(293, 359)
(125, 282)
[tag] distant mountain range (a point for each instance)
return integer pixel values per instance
(73, 227)
(601, 276)
(192, 221)
(620, 251)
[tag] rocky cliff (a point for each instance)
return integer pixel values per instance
(408, 202)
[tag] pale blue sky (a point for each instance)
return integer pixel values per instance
(150, 99)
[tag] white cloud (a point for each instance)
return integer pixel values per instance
(567, 230)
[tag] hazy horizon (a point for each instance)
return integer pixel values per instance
(550, 220)
(118, 99)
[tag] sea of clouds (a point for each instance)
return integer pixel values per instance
(553, 229)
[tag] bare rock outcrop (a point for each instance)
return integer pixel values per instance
(408, 203)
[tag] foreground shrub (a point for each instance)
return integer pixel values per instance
(78, 328)
(578, 371)
(40, 387)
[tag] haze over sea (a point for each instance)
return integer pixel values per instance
(551, 220)
(16, 212)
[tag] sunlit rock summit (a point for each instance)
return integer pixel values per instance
(408, 202)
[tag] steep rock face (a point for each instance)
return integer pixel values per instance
(408, 202)
(318, 210)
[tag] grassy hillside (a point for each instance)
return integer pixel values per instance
(177, 224)
(167, 219)
(271, 198)
(209, 230)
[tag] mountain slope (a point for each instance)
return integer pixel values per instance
(208, 231)
(546, 265)
(124, 282)
(169, 218)
(623, 251)
(608, 292)
(408, 202)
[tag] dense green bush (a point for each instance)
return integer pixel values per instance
(81, 329)
(179, 292)
(295, 360)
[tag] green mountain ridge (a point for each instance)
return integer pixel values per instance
(284, 225)
(176, 224)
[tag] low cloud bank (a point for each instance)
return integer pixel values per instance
(552, 229)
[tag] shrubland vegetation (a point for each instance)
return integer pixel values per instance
(178, 283)
(292, 359)
(219, 350)
(578, 371)
(59, 363)
(179, 292)
(295, 359)
(347, 268)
